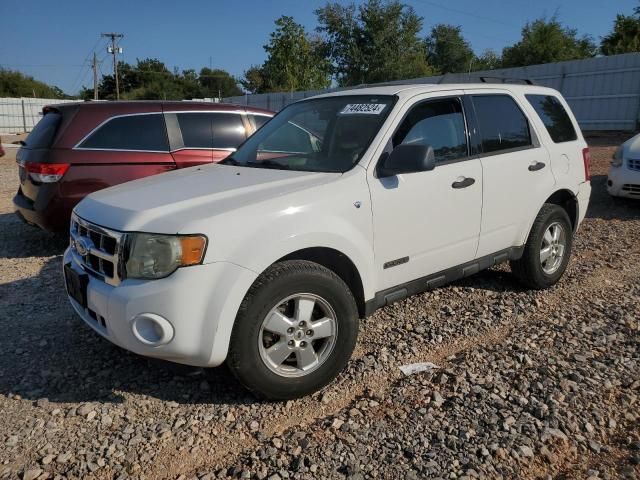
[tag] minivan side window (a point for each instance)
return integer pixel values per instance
(439, 123)
(145, 132)
(502, 124)
(260, 120)
(228, 130)
(554, 117)
(211, 130)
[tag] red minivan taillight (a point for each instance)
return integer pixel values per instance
(46, 172)
(586, 158)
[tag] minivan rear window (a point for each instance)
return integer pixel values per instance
(554, 117)
(44, 131)
(144, 132)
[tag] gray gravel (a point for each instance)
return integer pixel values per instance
(528, 384)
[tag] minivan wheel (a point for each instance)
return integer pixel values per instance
(547, 251)
(294, 332)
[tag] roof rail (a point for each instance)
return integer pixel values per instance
(466, 78)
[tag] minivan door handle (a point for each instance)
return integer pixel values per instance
(463, 182)
(537, 166)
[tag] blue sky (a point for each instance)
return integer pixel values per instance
(51, 40)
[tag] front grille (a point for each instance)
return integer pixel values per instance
(98, 250)
(631, 189)
(634, 163)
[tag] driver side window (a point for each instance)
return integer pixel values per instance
(439, 123)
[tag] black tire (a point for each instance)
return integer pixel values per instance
(529, 269)
(276, 283)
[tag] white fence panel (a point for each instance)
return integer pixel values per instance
(19, 115)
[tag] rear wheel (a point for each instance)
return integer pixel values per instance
(294, 332)
(547, 251)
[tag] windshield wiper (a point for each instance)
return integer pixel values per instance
(268, 164)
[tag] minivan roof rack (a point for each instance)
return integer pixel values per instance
(465, 78)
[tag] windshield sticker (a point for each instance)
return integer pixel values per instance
(363, 108)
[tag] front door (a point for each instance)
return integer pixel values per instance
(426, 222)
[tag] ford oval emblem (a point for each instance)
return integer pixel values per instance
(83, 246)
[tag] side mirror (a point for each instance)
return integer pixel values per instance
(407, 159)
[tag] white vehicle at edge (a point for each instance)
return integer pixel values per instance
(624, 174)
(339, 205)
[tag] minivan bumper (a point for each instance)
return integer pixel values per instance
(47, 212)
(185, 318)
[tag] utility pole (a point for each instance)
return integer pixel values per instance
(114, 50)
(94, 64)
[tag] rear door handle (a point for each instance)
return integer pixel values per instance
(463, 182)
(537, 166)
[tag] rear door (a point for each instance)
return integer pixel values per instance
(516, 171)
(199, 137)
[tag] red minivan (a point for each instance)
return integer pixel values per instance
(78, 148)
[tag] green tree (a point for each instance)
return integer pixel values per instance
(375, 42)
(488, 60)
(295, 61)
(17, 84)
(546, 41)
(625, 36)
(150, 79)
(216, 82)
(253, 80)
(447, 49)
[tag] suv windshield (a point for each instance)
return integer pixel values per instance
(323, 135)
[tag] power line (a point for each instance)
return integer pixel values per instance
(463, 12)
(84, 64)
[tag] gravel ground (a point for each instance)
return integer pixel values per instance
(526, 384)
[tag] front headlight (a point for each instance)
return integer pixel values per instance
(155, 256)
(616, 160)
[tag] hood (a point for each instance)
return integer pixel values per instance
(167, 202)
(632, 146)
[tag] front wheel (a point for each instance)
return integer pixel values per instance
(547, 251)
(295, 331)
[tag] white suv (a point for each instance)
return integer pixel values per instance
(339, 205)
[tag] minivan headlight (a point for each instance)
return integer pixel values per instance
(156, 256)
(616, 160)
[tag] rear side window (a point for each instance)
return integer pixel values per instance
(260, 120)
(554, 117)
(211, 130)
(439, 123)
(196, 128)
(133, 132)
(44, 132)
(228, 130)
(502, 124)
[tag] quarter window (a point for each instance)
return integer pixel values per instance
(132, 132)
(554, 117)
(211, 130)
(502, 124)
(439, 123)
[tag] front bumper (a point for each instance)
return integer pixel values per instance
(200, 304)
(623, 182)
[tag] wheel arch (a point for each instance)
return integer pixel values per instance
(337, 262)
(567, 200)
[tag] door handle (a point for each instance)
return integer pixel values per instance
(537, 166)
(463, 182)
